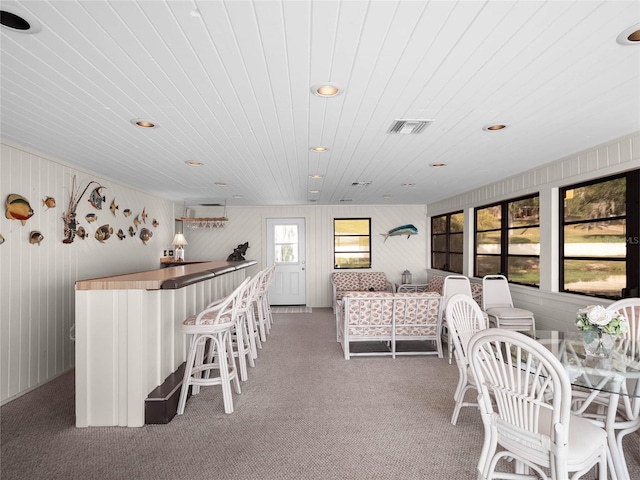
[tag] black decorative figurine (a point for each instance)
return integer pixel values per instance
(238, 253)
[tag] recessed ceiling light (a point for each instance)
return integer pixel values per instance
(319, 149)
(407, 185)
(315, 176)
(326, 89)
(220, 184)
(387, 196)
(437, 164)
(193, 163)
(494, 127)
(143, 123)
(314, 191)
(630, 36)
(19, 21)
(238, 196)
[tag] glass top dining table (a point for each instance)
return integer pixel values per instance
(612, 380)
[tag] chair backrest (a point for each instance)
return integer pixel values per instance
(524, 393)
(455, 284)
(495, 292)
(464, 320)
(225, 311)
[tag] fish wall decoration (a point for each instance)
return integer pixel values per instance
(113, 207)
(91, 217)
(126, 212)
(104, 233)
(144, 215)
(35, 237)
(82, 233)
(18, 208)
(1, 239)
(121, 234)
(96, 198)
(145, 235)
(402, 230)
(49, 202)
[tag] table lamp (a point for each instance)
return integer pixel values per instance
(179, 241)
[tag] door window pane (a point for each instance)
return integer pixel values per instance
(286, 243)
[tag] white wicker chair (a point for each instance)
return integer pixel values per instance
(531, 423)
(464, 320)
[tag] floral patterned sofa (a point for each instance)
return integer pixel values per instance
(389, 318)
(342, 282)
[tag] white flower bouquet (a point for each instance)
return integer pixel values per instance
(596, 317)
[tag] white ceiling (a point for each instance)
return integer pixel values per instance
(228, 83)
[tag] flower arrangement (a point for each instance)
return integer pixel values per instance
(597, 318)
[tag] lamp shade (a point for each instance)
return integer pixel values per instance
(179, 239)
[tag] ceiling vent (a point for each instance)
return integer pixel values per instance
(409, 127)
(365, 183)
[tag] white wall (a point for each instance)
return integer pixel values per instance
(248, 224)
(37, 282)
(553, 310)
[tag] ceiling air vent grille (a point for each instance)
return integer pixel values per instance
(409, 127)
(362, 183)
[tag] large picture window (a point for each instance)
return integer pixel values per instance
(352, 243)
(447, 235)
(508, 240)
(599, 237)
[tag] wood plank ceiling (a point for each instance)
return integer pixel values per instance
(229, 85)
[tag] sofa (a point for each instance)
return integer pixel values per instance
(342, 282)
(390, 319)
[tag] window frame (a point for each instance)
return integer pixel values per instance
(370, 251)
(504, 229)
(447, 235)
(632, 235)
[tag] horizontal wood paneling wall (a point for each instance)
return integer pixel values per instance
(37, 298)
(552, 309)
(249, 223)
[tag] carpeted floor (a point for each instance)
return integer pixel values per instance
(304, 413)
(296, 309)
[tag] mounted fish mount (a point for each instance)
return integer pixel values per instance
(69, 217)
(407, 230)
(18, 208)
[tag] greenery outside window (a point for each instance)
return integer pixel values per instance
(352, 243)
(447, 235)
(599, 236)
(508, 240)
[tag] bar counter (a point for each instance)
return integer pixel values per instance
(127, 334)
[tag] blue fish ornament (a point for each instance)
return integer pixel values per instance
(96, 198)
(407, 230)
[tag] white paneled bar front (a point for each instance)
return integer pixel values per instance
(128, 339)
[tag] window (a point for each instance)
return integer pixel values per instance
(508, 240)
(285, 242)
(600, 237)
(352, 243)
(446, 242)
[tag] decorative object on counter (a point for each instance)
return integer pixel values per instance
(69, 217)
(179, 242)
(144, 215)
(121, 234)
(126, 212)
(18, 208)
(91, 217)
(113, 207)
(238, 253)
(104, 233)
(81, 232)
(146, 234)
(406, 277)
(132, 232)
(136, 221)
(49, 202)
(1, 239)
(155, 223)
(96, 198)
(35, 237)
(407, 230)
(600, 328)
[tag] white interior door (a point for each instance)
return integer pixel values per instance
(286, 247)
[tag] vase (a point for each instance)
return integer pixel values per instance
(596, 343)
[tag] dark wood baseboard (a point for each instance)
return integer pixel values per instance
(162, 403)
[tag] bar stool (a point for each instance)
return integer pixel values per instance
(265, 319)
(211, 350)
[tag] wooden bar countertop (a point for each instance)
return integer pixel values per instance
(164, 278)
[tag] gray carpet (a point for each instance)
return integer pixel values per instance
(304, 413)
